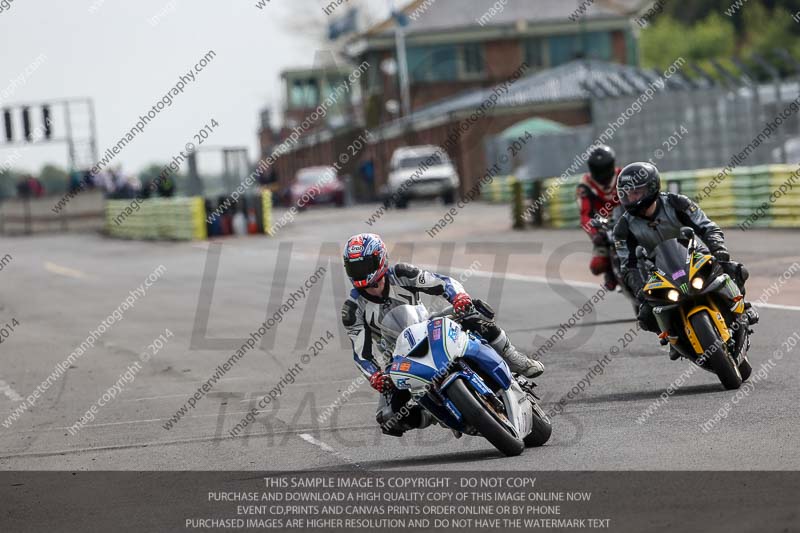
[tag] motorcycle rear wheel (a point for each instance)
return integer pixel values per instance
(723, 364)
(476, 414)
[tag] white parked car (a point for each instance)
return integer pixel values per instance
(421, 172)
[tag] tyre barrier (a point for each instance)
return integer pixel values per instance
(728, 200)
(181, 219)
(187, 219)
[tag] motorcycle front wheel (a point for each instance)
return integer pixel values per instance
(479, 415)
(723, 364)
(542, 428)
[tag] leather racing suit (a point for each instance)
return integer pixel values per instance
(362, 315)
(673, 212)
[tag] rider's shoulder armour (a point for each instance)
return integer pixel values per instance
(681, 202)
(349, 310)
(583, 191)
(405, 270)
(622, 228)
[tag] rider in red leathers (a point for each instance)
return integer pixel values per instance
(597, 196)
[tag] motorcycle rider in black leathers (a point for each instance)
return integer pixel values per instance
(378, 287)
(651, 217)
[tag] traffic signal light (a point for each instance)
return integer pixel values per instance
(26, 124)
(7, 122)
(48, 130)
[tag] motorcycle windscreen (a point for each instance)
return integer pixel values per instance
(670, 256)
(399, 318)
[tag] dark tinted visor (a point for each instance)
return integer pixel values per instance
(360, 269)
(629, 196)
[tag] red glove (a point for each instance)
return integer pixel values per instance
(462, 302)
(381, 382)
(599, 264)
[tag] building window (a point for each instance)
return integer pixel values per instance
(534, 53)
(563, 49)
(566, 48)
(472, 63)
(303, 93)
(433, 63)
(446, 62)
(598, 45)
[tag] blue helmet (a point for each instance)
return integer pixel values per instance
(365, 260)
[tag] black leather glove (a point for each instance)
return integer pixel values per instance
(737, 272)
(599, 239)
(722, 255)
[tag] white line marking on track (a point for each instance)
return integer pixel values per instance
(575, 283)
(308, 438)
(6, 389)
(520, 277)
(148, 420)
(556, 281)
(296, 383)
(150, 444)
(778, 306)
(63, 271)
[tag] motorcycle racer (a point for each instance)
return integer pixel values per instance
(651, 217)
(377, 289)
(597, 196)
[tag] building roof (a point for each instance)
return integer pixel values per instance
(574, 81)
(430, 15)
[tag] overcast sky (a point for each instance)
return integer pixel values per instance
(115, 55)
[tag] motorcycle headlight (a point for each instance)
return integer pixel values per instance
(698, 283)
(673, 295)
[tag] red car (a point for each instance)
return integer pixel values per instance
(316, 185)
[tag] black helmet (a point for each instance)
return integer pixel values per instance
(638, 186)
(602, 164)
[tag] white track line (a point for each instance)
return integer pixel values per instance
(6, 389)
(298, 383)
(149, 420)
(519, 277)
(152, 444)
(308, 438)
(576, 283)
(549, 281)
(778, 306)
(63, 271)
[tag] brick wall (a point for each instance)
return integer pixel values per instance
(468, 155)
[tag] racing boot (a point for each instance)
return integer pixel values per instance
(609, 280)
(674, 354)
(395, 424)
(518, 362)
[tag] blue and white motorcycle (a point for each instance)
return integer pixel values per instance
(460, 380)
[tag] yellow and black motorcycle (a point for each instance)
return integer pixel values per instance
(699, 308)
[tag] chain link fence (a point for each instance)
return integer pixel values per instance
(713, 125)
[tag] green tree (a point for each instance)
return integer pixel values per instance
(149, 174)
(8, 183)
(702, 30)
(54, 179)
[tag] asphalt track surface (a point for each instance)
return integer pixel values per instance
(60, 287)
